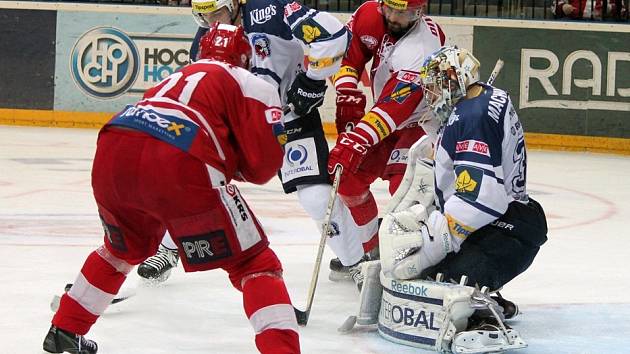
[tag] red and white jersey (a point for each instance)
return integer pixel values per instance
(395, 69)
(222, 114)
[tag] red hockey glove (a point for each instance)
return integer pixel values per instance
(350, 108)
(349, 152)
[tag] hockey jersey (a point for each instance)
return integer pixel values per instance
(279, 31)
(221, 114)
(480, 161)
(395, 69)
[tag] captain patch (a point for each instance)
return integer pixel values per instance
(468, 182)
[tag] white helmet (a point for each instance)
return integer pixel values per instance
(202, 8)
(446, 75)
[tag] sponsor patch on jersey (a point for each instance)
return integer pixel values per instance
(321, 63)
(408, 77)
(474, 146)
(291, 8)
(401, 91)
(300, 160)
(262, 46)
(457, 228)
(378, 124)
(273, 115)
(171, 129)
(369, 41)
(261, 16)
(468, 182)
(398, 156)
(205, 248)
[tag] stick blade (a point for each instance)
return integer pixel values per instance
(347, 325)
(301, 316)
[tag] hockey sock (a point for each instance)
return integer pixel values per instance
(267, 303)
(268, 307)
(364, 213)
(92, 291)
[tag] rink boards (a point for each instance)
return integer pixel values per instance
(88, 61)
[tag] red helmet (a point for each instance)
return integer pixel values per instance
(404, 4)
(226, 43)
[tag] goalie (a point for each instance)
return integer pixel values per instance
(481, 230)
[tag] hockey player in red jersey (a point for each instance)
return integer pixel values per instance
(166, 163)
(396, 36)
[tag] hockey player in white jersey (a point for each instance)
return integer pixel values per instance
(482, 231)
(279, 31)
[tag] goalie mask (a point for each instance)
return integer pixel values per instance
(207, 12)
(446, 75)
(226, 43)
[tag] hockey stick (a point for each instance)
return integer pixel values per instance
(302, 316)
(495, 72)
(54, 303)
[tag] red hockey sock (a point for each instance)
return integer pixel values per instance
(269, 309)
(93, 290)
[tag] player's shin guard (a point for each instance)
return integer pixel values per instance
(365, 215)
(270, 312)
(96, 285)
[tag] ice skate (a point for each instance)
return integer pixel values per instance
(158, 268)
(59, 341)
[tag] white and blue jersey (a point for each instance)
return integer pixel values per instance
(279, 31)
(480, 161)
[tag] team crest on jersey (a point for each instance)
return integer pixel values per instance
(369, 41)
(468, 182)
(292, 8)
(401, 91)
(261, 46)
(311, 31)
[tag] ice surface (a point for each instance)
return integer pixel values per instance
(574, 298)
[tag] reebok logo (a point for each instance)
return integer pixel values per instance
(309, 94)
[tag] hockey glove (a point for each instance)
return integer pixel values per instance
(306, 94)
(435, 242)
(349, 152)
(350, 108)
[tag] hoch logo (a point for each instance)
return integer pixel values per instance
(104, 62)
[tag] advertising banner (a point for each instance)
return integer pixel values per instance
(562, 81)
(107, 60)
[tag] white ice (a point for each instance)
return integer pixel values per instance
(575, 298)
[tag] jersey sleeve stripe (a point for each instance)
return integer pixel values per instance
(386, 117)
(367, 129)
(268, 72)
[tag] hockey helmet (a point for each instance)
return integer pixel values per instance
(226, 43)
(446, 75)
(411, 9)
(203, 10)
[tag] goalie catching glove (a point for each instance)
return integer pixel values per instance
(411, 241)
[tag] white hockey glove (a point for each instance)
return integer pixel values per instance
(400, 234)
(419, 249)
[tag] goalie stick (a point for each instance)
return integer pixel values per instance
(302, 316)
(121, 296)
(413, 153)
